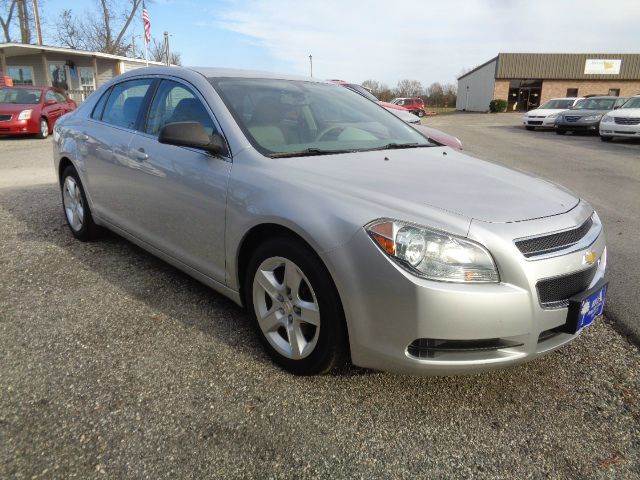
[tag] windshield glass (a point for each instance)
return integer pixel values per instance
(557, 104)
(294, 117)
(595, 104)
(20, 96)
(632, 103)
(362, 91)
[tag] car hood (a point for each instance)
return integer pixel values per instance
(544, 111)
(438, 177)
(17, 107)
(584, 113)
(626, 112)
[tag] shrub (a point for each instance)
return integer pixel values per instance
(497, 106)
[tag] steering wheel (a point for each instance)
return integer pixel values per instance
(327, 130)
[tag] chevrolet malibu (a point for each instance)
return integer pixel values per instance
(345, 233)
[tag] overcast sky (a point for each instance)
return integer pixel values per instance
(385, 40)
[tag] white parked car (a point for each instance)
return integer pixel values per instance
(623, 122)
(545, 116)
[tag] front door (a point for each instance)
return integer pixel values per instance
(179, 193)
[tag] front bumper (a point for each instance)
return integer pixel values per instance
(615, 130)
(18, 127)
(578, 126)
(388, 309)
(538, 122)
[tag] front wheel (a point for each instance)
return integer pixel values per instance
(44, 128)
(421, 113)
(295, 307)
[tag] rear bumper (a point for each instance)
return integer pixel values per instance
(388, 309)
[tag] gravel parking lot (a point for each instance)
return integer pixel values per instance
(115, 365)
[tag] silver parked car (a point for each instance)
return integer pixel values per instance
(344, 231)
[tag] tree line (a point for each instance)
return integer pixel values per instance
(435, 95)
(109, 26)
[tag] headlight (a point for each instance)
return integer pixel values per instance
(25, 114)
(433, 254)
(592, 118)
(559, 118)
(607, 119)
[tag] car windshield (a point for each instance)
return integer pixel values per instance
(595, 104)
(362, 91)
(557, 104)
(632, 103)
(301, 118)
(20, 96)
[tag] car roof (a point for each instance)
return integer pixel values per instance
(239, 73)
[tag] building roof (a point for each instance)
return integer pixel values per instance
(13, 48)
(565, 66)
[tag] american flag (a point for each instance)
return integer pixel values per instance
(146, 20)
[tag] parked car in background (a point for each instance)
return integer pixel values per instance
(405, 115)
(623, 122)
(545, 115)
(26, 110)
(414, 105)
(586, 114)
(344, 232)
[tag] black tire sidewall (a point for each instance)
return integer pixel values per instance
(329, 349)
(88, 230)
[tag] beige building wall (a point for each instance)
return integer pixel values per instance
(558, 88)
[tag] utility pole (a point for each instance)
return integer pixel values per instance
(311, 64)
(36, 18)
(166, 48)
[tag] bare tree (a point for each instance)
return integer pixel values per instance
(7, 9)
(25, 21)
(103, 30)
(409, 88)
(158, 52)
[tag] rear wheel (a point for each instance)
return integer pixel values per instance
(605, 138)
(295, 307)
(44, 128)
(421, 113)
(76, 208)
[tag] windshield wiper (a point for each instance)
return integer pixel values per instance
(394, 145)
(308, 152)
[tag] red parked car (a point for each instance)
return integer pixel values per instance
(26, 110)
(414, 105)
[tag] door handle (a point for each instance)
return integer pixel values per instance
(140, 155)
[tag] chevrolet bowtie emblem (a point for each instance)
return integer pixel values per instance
(589, 257)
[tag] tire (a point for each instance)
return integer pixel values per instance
(44, 131)
(605, 138)
(421, 113)
(529, 127)
(560, 132)
(76, 208)
(320, 345)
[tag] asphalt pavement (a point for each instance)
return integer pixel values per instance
(114, 364)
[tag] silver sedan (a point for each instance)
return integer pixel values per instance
(346, 233)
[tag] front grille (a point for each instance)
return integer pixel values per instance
(555, 292)
(430, 347)
(535, 122)
(627, 120)
(5, 118)
(570, 118)
(554, 241)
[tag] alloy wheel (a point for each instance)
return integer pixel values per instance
(73, 205)
(44, 128)
(286, 307)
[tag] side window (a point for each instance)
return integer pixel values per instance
(173, 102)
(50, 96)
(124, 103)
(99, 107)
(60, 98)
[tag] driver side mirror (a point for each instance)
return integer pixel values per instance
(191, 134)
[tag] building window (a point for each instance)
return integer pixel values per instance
(614, 92)
(572, 92)
(21, 75)
(58, 74)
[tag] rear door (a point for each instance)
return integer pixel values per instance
(52, 108)
(177, 195)
(106, 139)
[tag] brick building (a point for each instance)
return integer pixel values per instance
(527, 80)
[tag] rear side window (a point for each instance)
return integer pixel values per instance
(60, 97)
(97, 110)
(174, 102)
(124, 103)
